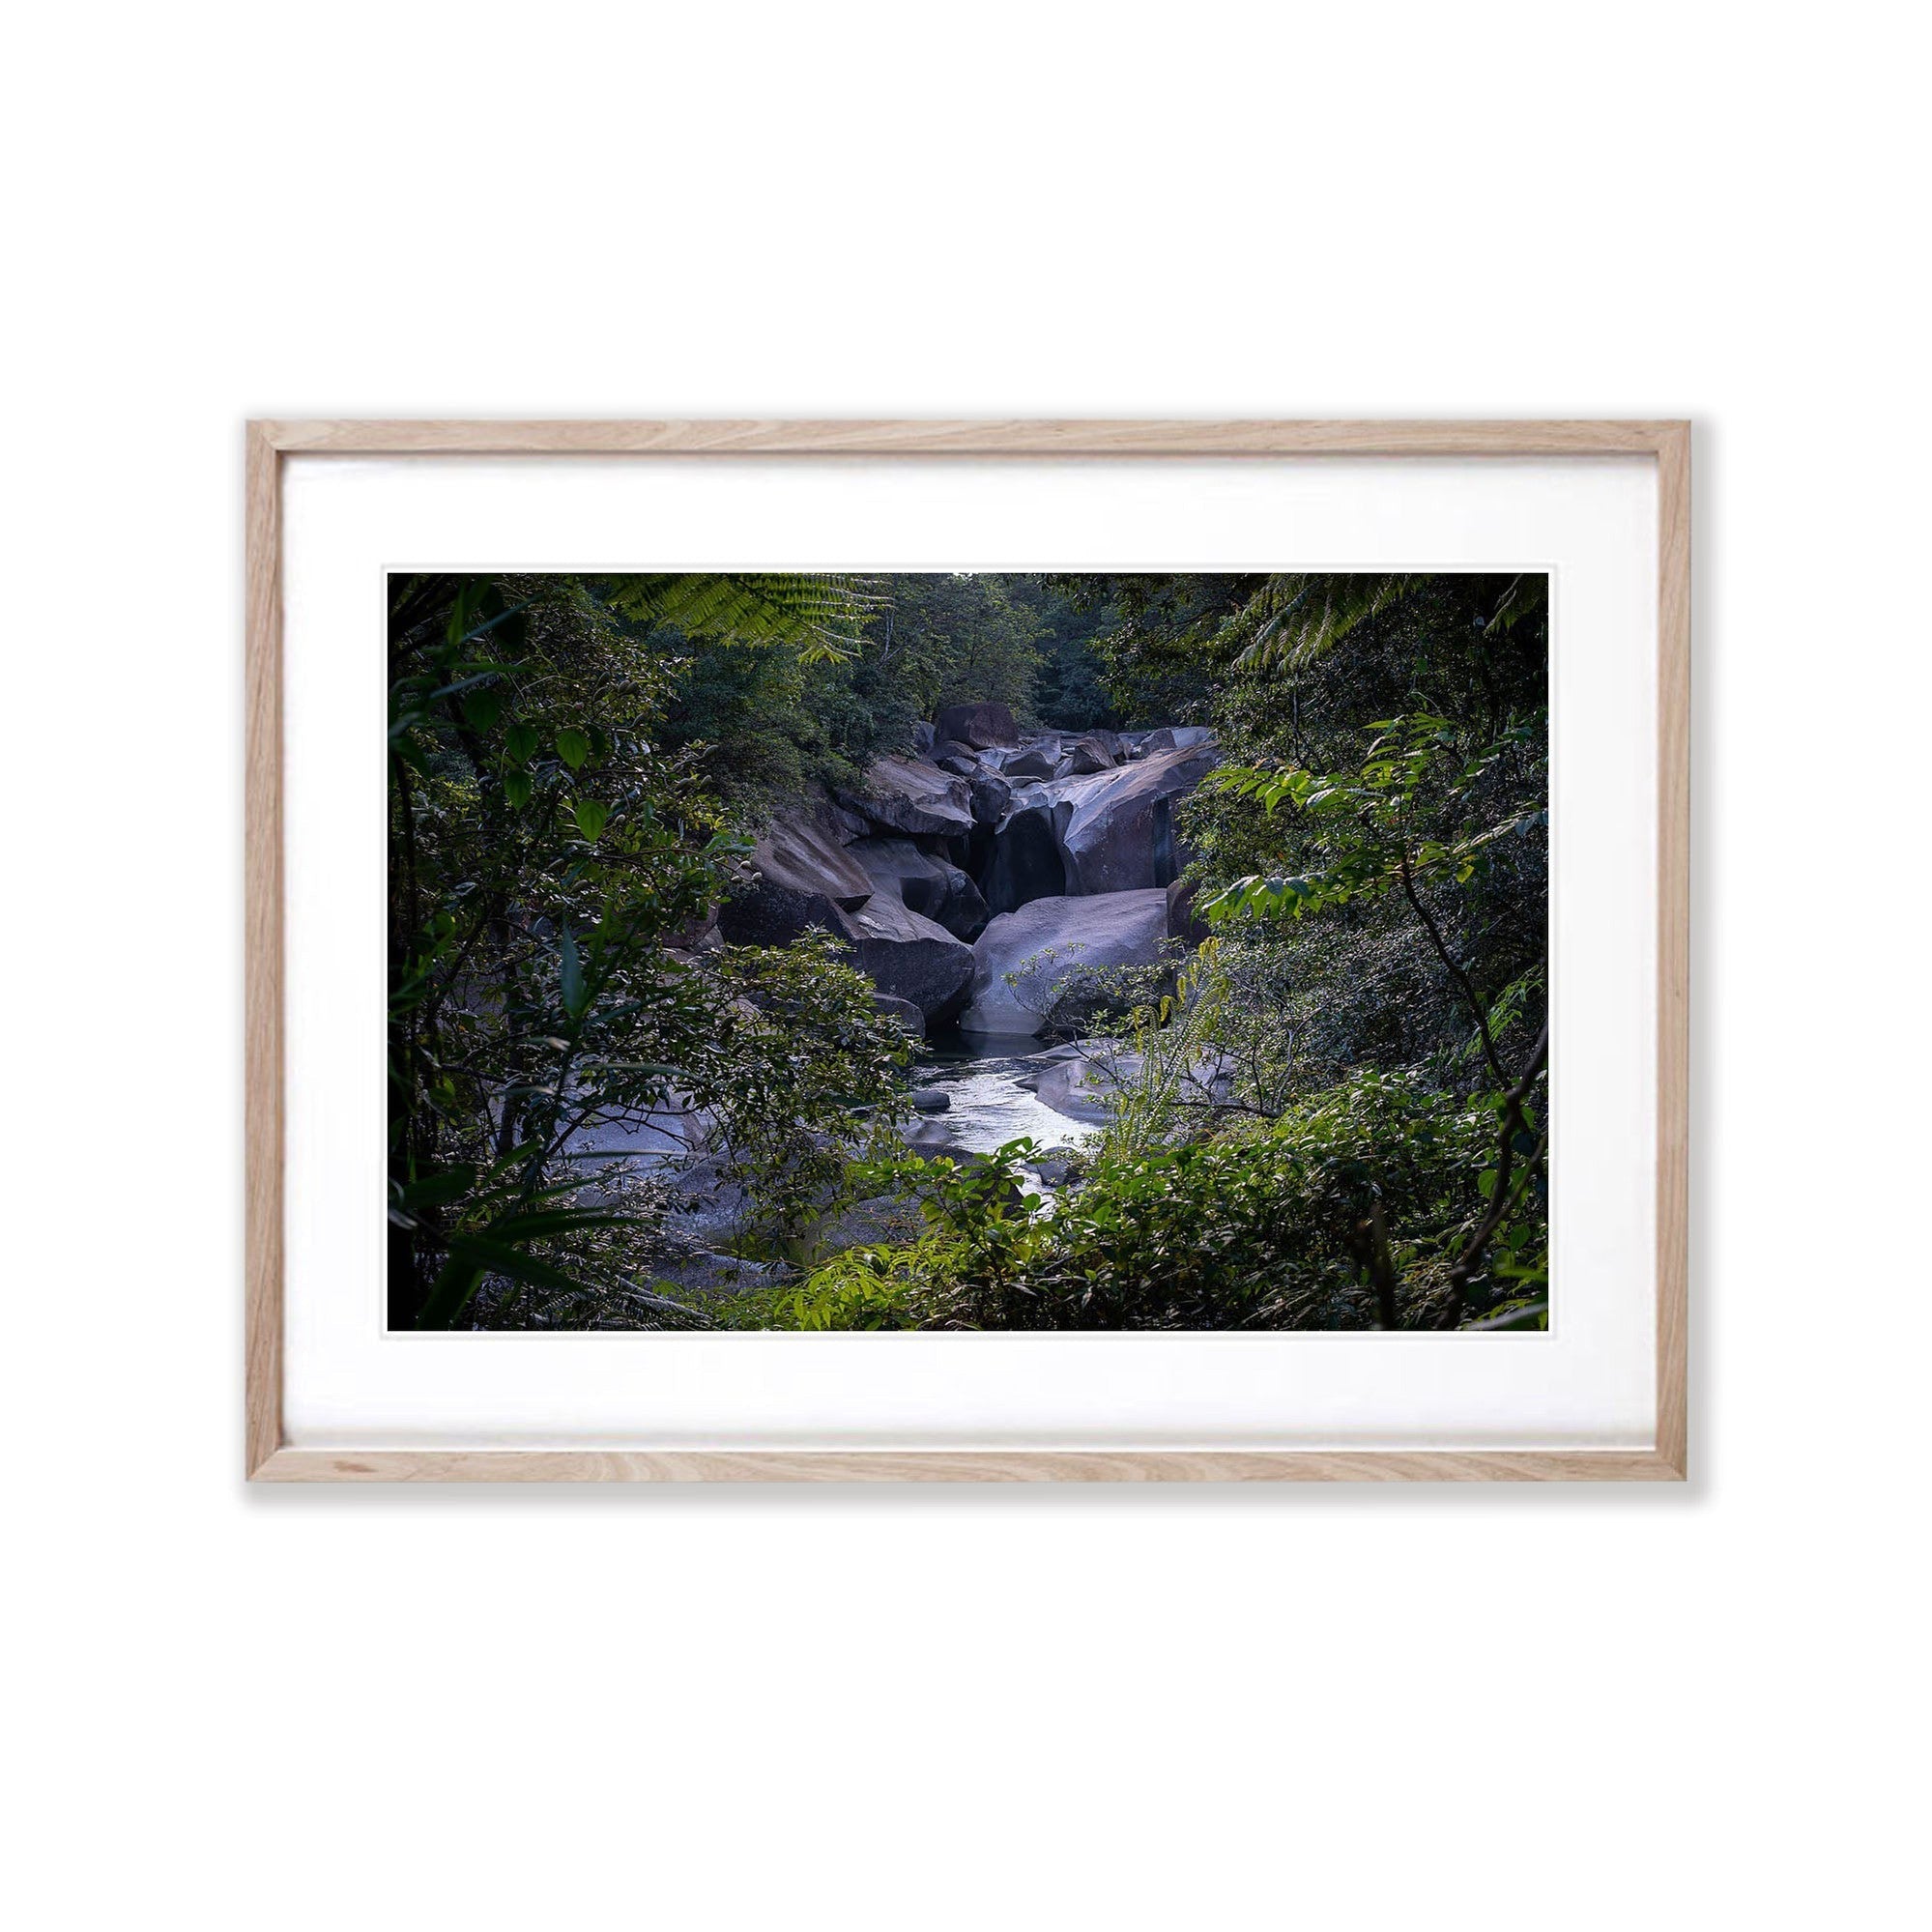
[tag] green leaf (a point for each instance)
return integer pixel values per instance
(503, 1259)
(516, 789)
(470, 1256)
(520, 742)
(470, 596)
(592, 815)
(573, 748)
(501, 616)
(434, 1190)
(576, 993)
(483, 708)
(450, 1293)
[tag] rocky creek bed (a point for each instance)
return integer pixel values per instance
(946, 870)
(984, 854)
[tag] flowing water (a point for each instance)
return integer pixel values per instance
(990, 1105)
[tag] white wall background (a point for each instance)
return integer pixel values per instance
(913, 1710)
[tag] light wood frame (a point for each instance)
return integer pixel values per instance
(269, 1458)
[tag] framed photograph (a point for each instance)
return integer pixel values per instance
(967, 951)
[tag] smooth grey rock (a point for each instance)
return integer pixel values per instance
(980, 725)
(713, 1273)
(931, 1100)
(992, 797)
(650, 1137)
(1057, 1166)
(845, 822)
(885, 1220)
(903, 794)
(1091, 753)
(923, 736)
(803, 876)
(911, 958)
(696, 935)
(926, 1136)
(1083, 1088)
(1178, 737)
(929, 885)
(1037, 1064)
(1114, 928)
(1026, 862)
(708, 1204)
(1183, 921)
(1036, 762)
(1115, 828)
(808, 877)
(904, 1011)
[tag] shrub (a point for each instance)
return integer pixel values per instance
(1282, 1224)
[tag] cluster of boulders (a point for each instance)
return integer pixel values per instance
(945, 870)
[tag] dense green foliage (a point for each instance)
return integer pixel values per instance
(1374, 856)
(547, 858)
(765, 724)
(1334, 1113)
(1253, 1226)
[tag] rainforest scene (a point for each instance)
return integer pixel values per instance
(976, 950)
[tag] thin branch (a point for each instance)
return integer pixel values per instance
(1460, 977)
(1370, 1243)
(1503, 1197)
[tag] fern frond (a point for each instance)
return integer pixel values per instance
(818, 616)
(1298, 617)
(1527, 597)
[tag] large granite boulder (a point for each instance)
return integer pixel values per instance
(979, 726)
(1116, 929)
(1026, 863)
(1037, 761)
(1035, 1067)
(699, 934)
(1086, 1087)
(928, 1137)
(903, 794)
(707, 1203)
(926, 884)
(1116, 828)
(991, 795)
(802, 876)
(904, 1011)
(911, 958)
(649, 1136)
(1091, 752)
(923, 736)
(1177, 738)
(1184, 919)
(885, 1220)
(704, 1271)
(1058, 1165)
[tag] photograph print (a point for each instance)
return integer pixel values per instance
(969, 951)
